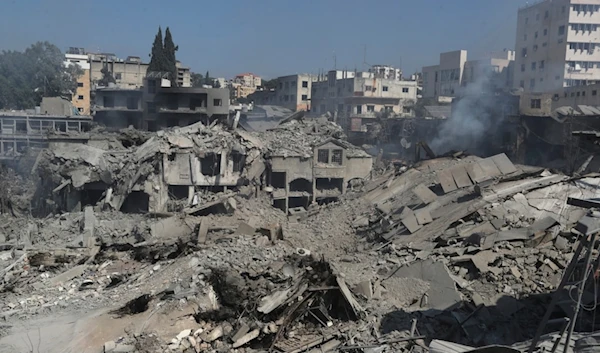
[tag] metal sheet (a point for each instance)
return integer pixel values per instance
(504, 164)
(489, 167)
(446, 180)
(459, 173)
(424, 194)
(476, 173)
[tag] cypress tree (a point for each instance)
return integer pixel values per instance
(157, 56)
(169, 57)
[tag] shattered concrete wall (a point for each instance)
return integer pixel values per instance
(186, 169)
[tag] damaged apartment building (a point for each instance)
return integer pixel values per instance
(314, 170)
(158, 105)
(356, 99)
(197, 166)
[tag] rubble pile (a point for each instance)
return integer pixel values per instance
(453, 251)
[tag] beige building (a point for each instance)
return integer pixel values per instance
(445, 80)
(356, 99)
(81, 97)
(130, 73)
(294, 91)
(558, 45)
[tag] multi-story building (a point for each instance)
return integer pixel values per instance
(158, 105)
(558, 45)
(445, 80)
(386, 71)
(245, 84)
(356, 98)
(81, 96)
(294, 91)
(130, 73)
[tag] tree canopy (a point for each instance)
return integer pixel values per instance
(26, 77)
(197, 79)
(162, 57)
(107, 76)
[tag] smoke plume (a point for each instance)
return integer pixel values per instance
(474, 115)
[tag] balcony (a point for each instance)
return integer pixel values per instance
(583, 36)
(182, 110)
(584, 17)
(582, 55)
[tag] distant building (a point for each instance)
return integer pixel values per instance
(558, 45)
(158, 105)
(184, 76)
(294, 91)
(81, 97)
(446, 79)
(356, 99)
(387, 72)
(245, 84)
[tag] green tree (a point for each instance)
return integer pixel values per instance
(157, 57)
(270, 84)
(216, 84)
(197, 79)
(208, 80)
(26, 77)
(169, 54)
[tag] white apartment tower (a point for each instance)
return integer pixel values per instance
(557, 45)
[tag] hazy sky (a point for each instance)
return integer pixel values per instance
(268, 37)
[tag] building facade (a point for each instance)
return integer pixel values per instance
(558, 45)
(386, 71)
(158, 105)
(447, 79)
(356, 99)
(81, 97)
(294, 91)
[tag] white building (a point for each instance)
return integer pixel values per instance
(558, 45)
(356, 98)
(446, 80)
(385, 71)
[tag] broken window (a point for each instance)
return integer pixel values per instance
(304, 97)
(301, 184)
(359, 109)
(305, 84)
(336, 157)
(561, 30)
(21, 127)
(329, 184)
(385, 88)
(132, 103)
(278, 180)
(323, 156)
(197, 102)
(217, 102)
(178, 192)
(109, 102)
(79, 84)
(80, 97)
(368, 88)
(136, 202)
(118, 76)
(210, 165)
(524, 52)
(536, 103)
(370, 108)
(406, 110)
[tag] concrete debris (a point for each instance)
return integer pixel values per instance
(208, 238)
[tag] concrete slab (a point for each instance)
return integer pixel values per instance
(203, 232)
(410, 221)
(476, 173)
(490, 169)
(172, 227)
(446, 180)
(503, 163)
(423, 216)
(442, 293)
(461, 177)
(424, 194)
(68, 275)
(544, 223)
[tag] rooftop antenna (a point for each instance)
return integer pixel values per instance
(365, 58)
(334, 61)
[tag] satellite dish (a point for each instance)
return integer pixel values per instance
(405, 143)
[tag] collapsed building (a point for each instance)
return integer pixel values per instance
(186, 165)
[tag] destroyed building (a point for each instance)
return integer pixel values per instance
(158, 105)
(323, 174)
